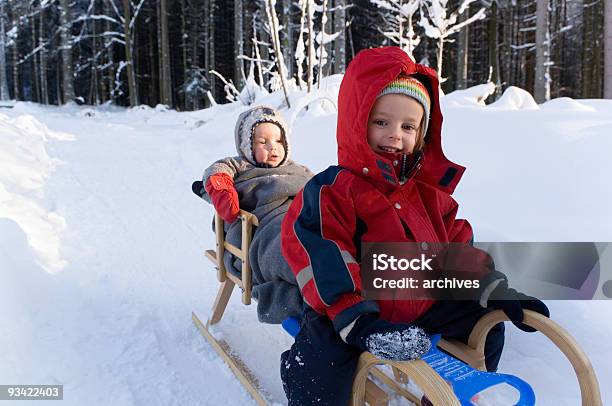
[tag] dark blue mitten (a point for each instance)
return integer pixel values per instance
(392, 341)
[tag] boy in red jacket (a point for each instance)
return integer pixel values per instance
(393, 184)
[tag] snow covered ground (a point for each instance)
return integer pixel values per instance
(101, 239)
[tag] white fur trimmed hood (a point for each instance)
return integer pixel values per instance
(246, 123)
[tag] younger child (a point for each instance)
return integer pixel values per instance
(393, 184)
(263, 180)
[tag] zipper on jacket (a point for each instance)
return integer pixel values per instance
(415, 165)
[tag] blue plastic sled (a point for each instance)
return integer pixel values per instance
(465, 380)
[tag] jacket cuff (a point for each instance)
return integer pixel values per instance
(348, 308)
(486, 293)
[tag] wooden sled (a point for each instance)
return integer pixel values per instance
(365, 389)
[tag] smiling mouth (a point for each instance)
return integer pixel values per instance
(390, 149)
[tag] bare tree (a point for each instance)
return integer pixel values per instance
(541, 87)
(438, 25)
(324, 49)
(310, 10)
(493, 48)
(608, 49)
(287, 34)
(4, 92)
(129, 59)
(402, 34)
(238, 44)
(462, 53)
(339, 44)
(165, 75)
(66, 40)
(43, 59)
(278, 55)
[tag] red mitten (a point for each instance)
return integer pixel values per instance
(220, 188)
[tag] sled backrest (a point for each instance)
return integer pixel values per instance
(248, 220)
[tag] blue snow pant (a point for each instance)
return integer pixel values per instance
(319, 367)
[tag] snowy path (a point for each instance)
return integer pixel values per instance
(119, 313)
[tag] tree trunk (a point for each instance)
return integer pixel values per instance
(35, 93)
(15, 55)
(184, 51)
(210, 65)
(160, 70)
(238, 45)
(541, 88)
(309, 13)
(328, 29)
(264, 50)
(598, 48)
(166, 96)
(66, 41)
(278, 54)
(462, 52)
(439, 58)
(128, 53)
(587, 60)
(58, 74)
(44, 92)
(257, 58)
(153, 49)
(493, 51)
(339, 63)
(327, 48)
(287, 45)
(299, 49)
(506, 50)
(110, 76)
(94, 94)
(608, 49)
(4, 91)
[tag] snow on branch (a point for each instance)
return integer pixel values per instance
(231, 93)
(403, 34)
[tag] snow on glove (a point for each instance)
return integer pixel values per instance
(386, 340)
(513, 303)
(220, 188)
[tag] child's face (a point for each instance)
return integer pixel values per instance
(393, 125)
(268, 145)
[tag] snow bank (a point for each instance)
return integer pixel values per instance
(25, 168)
(515, 98)
(473, 96)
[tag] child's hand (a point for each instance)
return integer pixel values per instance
(392, 341)
(512, 303)
(220, 188)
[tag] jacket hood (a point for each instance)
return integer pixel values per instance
(245, 126)
(367, 74)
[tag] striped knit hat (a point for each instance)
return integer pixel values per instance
(411, 87)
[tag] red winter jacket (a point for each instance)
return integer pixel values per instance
(361, 200)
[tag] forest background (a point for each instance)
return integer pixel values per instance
(191, 54)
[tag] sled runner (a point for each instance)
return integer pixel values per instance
(441, 378)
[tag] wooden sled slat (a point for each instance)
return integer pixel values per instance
(375, 395)
(211, 255)
(242, 372)
(587, 380)
(395, 384)
(463, 352)
(232, 249)
(434, 387)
